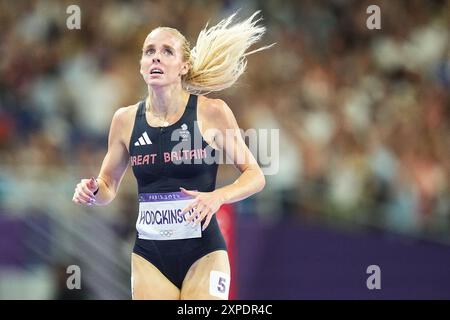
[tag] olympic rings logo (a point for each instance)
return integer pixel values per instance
(166, 233)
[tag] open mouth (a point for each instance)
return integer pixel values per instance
(156, 71)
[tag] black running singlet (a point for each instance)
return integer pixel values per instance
(164, 159)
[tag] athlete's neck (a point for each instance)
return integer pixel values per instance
(166, 101)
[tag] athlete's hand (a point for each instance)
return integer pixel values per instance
(205, 205)
(84, 192)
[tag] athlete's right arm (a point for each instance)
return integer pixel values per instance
(113, 167)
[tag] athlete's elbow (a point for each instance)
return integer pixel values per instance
(260, 182)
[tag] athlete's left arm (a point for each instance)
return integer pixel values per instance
(228, 138)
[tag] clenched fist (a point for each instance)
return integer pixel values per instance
(84, 192)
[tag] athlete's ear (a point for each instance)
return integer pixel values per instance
(184, 69)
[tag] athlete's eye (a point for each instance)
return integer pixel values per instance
(149, 51)
(168, 51)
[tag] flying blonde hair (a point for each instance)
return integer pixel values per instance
(219, 56)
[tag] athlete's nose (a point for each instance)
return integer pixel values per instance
(155, 59)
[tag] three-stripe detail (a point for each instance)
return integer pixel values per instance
(143, 140)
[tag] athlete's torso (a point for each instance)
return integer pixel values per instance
(163, 159)
(163, 238)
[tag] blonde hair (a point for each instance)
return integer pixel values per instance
(219, 56)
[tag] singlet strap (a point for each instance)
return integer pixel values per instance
(192, 102)
(141, 109)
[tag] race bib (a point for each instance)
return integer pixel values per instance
(159, 217)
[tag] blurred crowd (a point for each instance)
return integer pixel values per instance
(363, 115)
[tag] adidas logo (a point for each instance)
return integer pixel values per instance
(143, 140)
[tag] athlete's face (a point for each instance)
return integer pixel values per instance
(162, 59)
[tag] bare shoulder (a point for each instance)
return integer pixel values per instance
(126, 114)
(214, 111)
(123, 122)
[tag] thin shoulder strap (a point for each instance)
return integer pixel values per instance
(192, 102)
(139, 113)
(141, 109)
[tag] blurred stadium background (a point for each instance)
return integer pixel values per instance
(364, 119)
